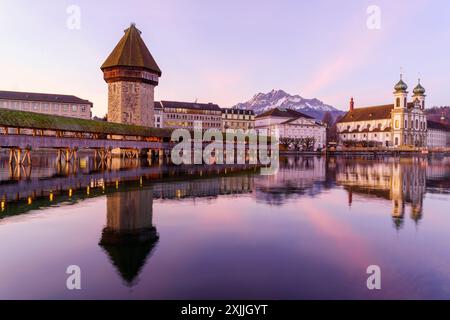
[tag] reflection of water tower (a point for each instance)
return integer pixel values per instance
(129, 235)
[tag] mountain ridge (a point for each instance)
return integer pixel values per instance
(262, 102)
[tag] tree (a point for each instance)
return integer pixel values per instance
(286, 142)
(308, 143)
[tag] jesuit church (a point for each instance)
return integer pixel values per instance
(398, 124)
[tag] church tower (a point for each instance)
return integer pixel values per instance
(419, 95)
(399, 120)
(131, 74)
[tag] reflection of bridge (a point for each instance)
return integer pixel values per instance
(20, 196)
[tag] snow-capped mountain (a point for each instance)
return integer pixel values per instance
(263, 102)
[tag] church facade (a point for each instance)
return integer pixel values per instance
(403, 123)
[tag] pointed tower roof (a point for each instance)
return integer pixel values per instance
(131, 51)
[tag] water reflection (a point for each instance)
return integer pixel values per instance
(403, 181)
(130, 188)
(129, 236)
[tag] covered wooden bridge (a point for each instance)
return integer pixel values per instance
(21, 132)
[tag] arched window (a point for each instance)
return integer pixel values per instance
(417, 124)
(398, 102)
(406, 124)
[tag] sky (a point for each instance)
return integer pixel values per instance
(227, 51)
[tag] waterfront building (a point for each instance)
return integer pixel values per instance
(131, 74)
(54, 104)
(159, 115)
(398, 124)
(438, 134)
(237, 119)
(292, 124)
(178, 115)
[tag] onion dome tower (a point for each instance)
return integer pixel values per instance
(419, 94)
(400, 94)
(131, 74)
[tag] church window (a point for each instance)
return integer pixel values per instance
(398, 102)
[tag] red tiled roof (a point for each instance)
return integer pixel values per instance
(370, 113)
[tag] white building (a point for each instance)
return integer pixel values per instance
(159, 115)
(399, 124)
(178, 115)
(292, 124)
(54, 104)
(237, 119)
(438, 135)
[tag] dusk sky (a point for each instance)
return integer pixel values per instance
(227, 51)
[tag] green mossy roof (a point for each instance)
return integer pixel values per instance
(32, 120)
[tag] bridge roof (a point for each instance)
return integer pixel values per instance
(32, 120)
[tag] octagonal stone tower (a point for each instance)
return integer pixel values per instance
(131, 74)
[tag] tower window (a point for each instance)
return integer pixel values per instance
(398, 102)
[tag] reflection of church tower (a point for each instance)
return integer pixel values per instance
(129, 235)
(398, 203)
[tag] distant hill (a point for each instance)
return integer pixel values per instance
(263, 102)
(435, 114)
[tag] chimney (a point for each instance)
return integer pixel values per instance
(352, 104)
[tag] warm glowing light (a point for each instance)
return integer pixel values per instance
(3, 204)
(140, 181)
(178, 193)
(117, 184)
(70, 193)
(88, 190)
(103, 188)
(29, 200)
(51, 196)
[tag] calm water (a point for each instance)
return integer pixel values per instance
(148, 231)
